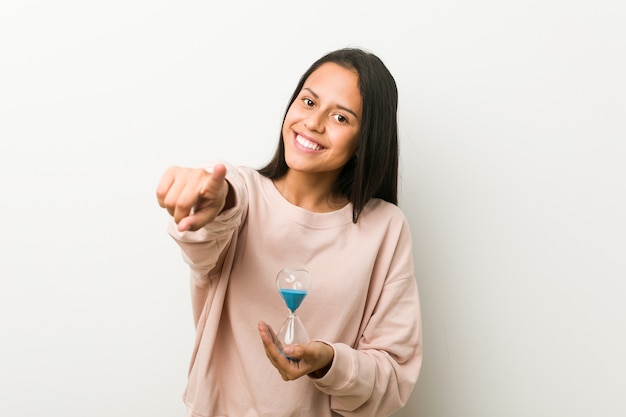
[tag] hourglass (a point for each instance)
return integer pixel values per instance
(293, 285)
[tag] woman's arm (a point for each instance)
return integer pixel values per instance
(204, 249)
(376, 376)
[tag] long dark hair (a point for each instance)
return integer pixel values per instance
(373, 171)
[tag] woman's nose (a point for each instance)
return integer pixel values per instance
(314, 122)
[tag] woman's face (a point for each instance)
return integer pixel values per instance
(321, 128)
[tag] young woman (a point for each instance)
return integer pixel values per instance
(326, 202)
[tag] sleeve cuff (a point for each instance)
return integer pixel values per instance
(343, 370)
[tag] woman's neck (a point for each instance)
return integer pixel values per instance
(312, 192)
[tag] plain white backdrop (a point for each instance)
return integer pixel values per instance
(513, 148)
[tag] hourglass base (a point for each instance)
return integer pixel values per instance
(291, 358)
(292, 332)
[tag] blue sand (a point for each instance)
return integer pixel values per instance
(293, 298)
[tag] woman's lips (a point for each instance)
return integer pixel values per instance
(308, 144)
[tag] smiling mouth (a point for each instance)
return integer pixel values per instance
(308, 144)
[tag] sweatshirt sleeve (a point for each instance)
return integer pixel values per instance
(204, 249)
(376, 377)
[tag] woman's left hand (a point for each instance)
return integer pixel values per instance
(314, 358)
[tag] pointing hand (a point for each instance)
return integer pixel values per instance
(194, 197)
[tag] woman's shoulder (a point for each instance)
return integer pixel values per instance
(380, 209)
(244, 175)
(380, 216)
(249, 174)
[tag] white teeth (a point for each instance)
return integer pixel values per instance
(308, 144)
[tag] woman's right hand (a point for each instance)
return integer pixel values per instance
(193, 197)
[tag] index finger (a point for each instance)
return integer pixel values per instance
(218, 175)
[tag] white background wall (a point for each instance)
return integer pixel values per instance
(512, 117)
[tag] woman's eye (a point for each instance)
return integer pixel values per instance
(308, 102)
(340, 118)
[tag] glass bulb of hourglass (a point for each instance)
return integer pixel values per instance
(293, 286)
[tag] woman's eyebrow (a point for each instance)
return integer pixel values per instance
(344, 108)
